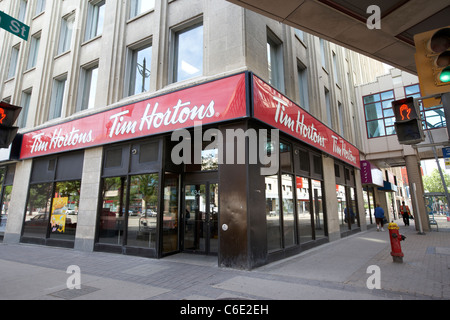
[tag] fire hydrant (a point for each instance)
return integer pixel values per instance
(396, 237)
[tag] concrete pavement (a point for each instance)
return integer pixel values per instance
(337, 271)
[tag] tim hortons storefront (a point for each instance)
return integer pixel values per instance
(230, 168)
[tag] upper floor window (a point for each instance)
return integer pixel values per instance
(34, 50)
(57, 98)
(140, 6)
(40, 6)
(188, 55)
(22, 11)
(380, 117)
(13, 62)
(139, 69)
(96, 16)
(65, 36)
(275, 61)
(88, 88)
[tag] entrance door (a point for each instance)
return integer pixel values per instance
(201, 217)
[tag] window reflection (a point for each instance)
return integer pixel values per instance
(64, 210)
(38, 210)
(189, 53)
(143, 211)
(273, 213)
(112, 214)
(304, 210)
(170, 214)
(288, 210)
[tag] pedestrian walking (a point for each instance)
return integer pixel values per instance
(379, 217)
(404, 211)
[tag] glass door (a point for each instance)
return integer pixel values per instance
(201, 218)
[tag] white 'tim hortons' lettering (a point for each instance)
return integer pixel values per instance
(299, 126)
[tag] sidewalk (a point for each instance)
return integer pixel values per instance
(334, 271)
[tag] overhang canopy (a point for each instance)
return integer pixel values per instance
(344, 22)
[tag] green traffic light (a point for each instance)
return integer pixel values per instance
(445, 75)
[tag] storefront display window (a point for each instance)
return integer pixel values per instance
(142, 211)
(6, 180)
(319, 216)
(38, 211)
(113, 209)
(288, 210)
(304, 210)
(170, 213)
(273, 213)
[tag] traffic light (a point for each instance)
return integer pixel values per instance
(8, 115)
(408, 124)
(433, 61)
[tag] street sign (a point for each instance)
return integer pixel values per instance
(446, 154)
(14, 26)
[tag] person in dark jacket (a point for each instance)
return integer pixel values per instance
(379, 217)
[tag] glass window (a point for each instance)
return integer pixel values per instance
(188, 53)
(5, 208)
(376, 129)
(275, 62)
(13, 62)
(140, 6)
(143, 211)
(34, 50)
(288, 210)
(379, 114)
(25, 104)
(304, 210)
(22, 11)
(88, 88)
(432, 117)
(40, 6)
(170, 213)
(38, 210)
(56, 102)
(64, 210)
(65, 36)
(342, 207)
(140, 70)
(319, 218)
(113, 210)
(273, 214)
(96, 16)
(303, 87)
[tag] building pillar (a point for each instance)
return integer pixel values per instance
(87, 211)
(415, 176)
(18, 203)
(331, 204)
(360, 200)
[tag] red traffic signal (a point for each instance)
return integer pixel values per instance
(408, 125)
(8, 115)
(405, 109)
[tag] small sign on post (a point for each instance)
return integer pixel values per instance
(446, 153)
(14, 26)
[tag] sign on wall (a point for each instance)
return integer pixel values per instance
(273, 108)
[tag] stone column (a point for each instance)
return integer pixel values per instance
(18, 203)
(415, 176)
(87, 211)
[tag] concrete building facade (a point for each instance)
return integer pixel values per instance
(86, 59)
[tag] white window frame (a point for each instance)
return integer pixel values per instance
(57, 98)
(95, 19)
(87, 87)
(34, 51)
(66, 31)
(138, 7)
(13, 61)
(275, 61)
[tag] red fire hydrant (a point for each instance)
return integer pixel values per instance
(396, 237)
